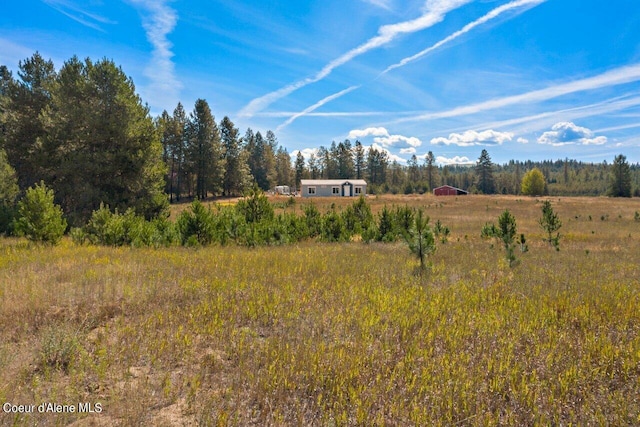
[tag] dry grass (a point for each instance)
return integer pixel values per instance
(334, 334)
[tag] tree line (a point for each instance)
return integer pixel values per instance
(85, 132)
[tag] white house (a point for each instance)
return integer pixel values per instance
(333, 187)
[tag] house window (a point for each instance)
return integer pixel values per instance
(358, 190)
(335, 190)
(311, 190)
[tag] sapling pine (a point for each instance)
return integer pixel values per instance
(507, 233)
(39, 219)
(551, 224)
(441, 231)
(420, 239)
(523, 244)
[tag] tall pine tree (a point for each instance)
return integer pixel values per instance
(100, 143)
(204, 150)
(484, 174)
(237, 177)
(26, 99)
(620, 181)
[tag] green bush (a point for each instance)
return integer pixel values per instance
(255, 206)
(386, 229)
(105, 228)
(7, 218)
(313, 220)
(357, 216)
(197, 226)
(403, 219)
(333, 228)
(39, 219)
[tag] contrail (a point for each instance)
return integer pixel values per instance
(435, 12)
(486, 18)
(315, 106)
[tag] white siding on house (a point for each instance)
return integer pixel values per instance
(333, 187)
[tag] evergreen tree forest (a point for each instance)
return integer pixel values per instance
(83, 131)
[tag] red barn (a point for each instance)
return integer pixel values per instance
(447, 190)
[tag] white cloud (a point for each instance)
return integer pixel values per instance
(566, 133)
(544, 121)
(373, 131)
(456, 160)
(471, 137)
(486, 18)
(434, 12)
(410, 150)
(523, 140)
(383, 137)
(306, 152)
(158, 21)
(391, 140)
(392, 157)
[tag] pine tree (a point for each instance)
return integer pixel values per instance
(26, 99)
(414, 172)
(550, 223)
(39, 218)
(299, 168)
(204, 150)
(620, 181)
(314, 171)
(484, 173)
(430, 161)
(8, 193)
(100, 143)
(421, 239)
(236, 174)
(283, 167)
(174, 144)
(344, 154)
(359, 161)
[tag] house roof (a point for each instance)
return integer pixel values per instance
(332, 181)
(451, 187)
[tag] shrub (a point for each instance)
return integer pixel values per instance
(39, 219)
(357, 216)
(105, 228)
(255, 206)
(386, 229)
(333, 228)
(196, 225)
(403, 219)
(313, 220)
(58, 349)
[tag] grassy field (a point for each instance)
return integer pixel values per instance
(333, 334)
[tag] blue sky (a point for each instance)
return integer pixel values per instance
(524, 79)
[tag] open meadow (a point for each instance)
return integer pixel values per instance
(333, 334)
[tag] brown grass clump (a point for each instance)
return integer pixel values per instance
(334, 334)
